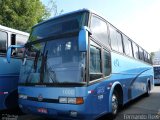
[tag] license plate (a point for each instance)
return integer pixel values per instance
(42, 110)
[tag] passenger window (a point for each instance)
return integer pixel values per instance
(18, 39)
(141, 54)
(3, 42)
(116, 39)
(145, 56)
(99, 30)
(95, 63)
(135, 50)
(107, 63)
(127, 46)
(149, 59)
(21, 39)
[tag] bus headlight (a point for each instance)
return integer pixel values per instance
(22, 96)
(71, 100)
(62, 100)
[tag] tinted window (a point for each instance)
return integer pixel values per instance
(3, 42)
(21, 39)
(54, 62)
(95, 63)
(59, 25)
(99, 30)
(156, 72)
(116, 40)
(149, 59)
(141, 54)
(18, 39)
(135, 50)
(127, 46)
(107, 63)
(145, 56)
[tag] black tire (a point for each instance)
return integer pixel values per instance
(148, 90)
(115, 104)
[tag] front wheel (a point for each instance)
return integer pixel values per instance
(114, 104)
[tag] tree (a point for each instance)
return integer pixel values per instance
(52, 8)
(22, 14)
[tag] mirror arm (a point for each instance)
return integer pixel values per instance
(9, 51)
(87, 29)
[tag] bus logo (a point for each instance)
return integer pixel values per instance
(116, 63)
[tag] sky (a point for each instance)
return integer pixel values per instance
(138, 19)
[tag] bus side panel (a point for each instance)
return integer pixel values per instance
(132, 74)
(9, 75)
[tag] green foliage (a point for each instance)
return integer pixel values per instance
(22, 14)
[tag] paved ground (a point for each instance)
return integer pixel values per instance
(143, 108)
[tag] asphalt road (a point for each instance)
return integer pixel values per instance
(143, 108)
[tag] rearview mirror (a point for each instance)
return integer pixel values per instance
(10, 50)
(83, 38)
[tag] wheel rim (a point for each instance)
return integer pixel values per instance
(114, 104)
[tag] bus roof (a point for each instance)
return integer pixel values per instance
(80, 10)
(13, 30)
(90, 11)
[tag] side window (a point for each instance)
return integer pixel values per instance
(18, 39)
(107, 63)
(116, 39)
(149, 59)
(95, 62)
(141, 54)
(3, 42)
(145, 56)
(135, 50)
(127, 46)
(13, 39)
(21, 39)
(99, 30)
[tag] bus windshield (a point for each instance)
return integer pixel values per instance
(157, 72)
(53, 62)
(63, 24)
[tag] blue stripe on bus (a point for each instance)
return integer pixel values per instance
(132, 82)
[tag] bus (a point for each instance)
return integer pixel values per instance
(9, 73)
(79, 66)
(156, 74)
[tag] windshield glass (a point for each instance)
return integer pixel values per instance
(157, 72)
(63, 24)
(53, 62)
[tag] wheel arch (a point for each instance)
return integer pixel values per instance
(116, 86)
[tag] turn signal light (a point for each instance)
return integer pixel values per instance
(79, 100)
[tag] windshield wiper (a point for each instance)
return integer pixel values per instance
(43, 66)
(36, 60)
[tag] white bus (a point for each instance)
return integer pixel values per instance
(9, 73)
